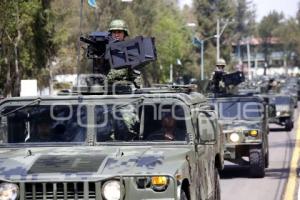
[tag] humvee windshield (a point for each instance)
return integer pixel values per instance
(242, 110)
(142, 123)
(124, 122)
(43, 123)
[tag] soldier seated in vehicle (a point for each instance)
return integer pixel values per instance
(169, 130)
(122, 124)
(44, 132)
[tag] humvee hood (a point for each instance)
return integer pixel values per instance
(92, 163)
(282, 108)
(240, 125)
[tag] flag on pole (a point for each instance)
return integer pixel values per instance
(178, 62)
(92, 3)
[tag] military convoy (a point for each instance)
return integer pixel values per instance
(111, 139)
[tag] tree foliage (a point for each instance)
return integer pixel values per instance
(17, 51)
(207, 13)
(40, 38)
(267, 30)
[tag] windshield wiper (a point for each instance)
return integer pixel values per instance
(36, 101)
(27, 128)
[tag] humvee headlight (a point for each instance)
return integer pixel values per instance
(9, 191)
(234, 137)
(159, 183)
(111, 190)
(278, 113)
(253, 133)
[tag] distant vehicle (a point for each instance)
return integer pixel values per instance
(284, 110)
(245, 124)
(291, 91)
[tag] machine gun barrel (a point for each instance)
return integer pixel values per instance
(88, 41)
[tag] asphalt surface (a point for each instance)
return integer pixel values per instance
(236, 184)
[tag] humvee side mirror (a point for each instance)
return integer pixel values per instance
(3, 129)
(206, 127)
(266, 99)
(212, 107)
(272, 110)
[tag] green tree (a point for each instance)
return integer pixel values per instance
(207, 12)
(267, 29)
(173, 43)
(151, 18)
(16, 31)
(244, 25)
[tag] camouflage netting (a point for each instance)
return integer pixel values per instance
(124, 75)
(117, 75)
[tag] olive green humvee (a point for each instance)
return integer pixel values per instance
(284, 105)
(100, 147)
(244, 121)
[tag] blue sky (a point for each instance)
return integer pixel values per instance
(264, 7)
(288, 7)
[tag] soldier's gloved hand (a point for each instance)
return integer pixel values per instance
(222, 84)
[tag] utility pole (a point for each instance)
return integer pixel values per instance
(249, 57)
(202, 60)
(171, 73)
(218, 40)
(218, 35)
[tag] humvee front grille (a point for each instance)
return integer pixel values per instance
(60, 191)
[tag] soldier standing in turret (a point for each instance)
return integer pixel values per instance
(118, 30)
(218, 83)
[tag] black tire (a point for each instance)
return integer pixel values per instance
(183, 195)
(289, 124)
(257, 163)
(217, 191)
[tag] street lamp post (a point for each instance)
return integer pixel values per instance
(219, 34)
(198, 42)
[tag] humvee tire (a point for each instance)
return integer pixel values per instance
(257, 163)
(217, 195)
(288, 124)
(183, 195)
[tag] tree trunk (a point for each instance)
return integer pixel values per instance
(7, 87)
(17, 85)
(49, 67)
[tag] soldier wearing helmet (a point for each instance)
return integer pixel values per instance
(118, 29)
(220, 65)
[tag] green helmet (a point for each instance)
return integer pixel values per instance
(118, 24)
(221, 62)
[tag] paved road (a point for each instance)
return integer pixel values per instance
(236, 183)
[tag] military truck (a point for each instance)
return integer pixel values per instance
(284, 110)
(245, 124)
(109, 146)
